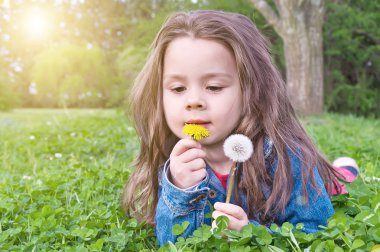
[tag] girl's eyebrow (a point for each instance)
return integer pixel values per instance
(204, 77)
(217, 74)
(173, 77)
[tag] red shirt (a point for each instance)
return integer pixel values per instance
(223, 178)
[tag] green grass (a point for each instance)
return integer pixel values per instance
(359, 138)
(62, 173)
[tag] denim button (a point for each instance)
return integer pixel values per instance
(212, 194)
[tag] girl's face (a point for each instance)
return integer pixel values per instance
(201, 85)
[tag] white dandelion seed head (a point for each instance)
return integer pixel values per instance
(238, 148)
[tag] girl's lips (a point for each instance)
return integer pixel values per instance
(199, 122)
(196, 121)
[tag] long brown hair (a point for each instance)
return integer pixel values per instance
(267, 111)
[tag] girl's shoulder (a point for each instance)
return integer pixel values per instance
(292, 154)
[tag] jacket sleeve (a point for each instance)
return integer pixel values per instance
(176, 205)
(313, 211)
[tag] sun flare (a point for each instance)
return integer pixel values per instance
(37, 24)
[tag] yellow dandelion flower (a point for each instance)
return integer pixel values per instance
(197, 132)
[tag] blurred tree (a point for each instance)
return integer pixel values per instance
(352, 57)
(146, 9)
(72, 76)
(299, 24)
(28, 28)
(147, 18)
(8, 97)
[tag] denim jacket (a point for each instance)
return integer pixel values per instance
(176, 205)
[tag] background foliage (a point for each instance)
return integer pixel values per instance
(74, 76)
(8, 99)
(98, 47)
(352, 57)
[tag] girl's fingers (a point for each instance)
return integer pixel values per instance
(195, 165)
(231, 209)
(187, 167)
(216, 214)
(183, 145)
(192, 154)
(189, 179)
(234, 223)
(199, 174)
(188, 170)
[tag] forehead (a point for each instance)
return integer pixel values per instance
(194, 56)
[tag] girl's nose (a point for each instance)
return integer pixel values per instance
(194, 105)
(195, 101)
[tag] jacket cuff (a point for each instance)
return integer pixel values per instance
(182, 201)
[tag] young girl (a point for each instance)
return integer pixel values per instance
(213, 68)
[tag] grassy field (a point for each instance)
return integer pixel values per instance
(62, 173)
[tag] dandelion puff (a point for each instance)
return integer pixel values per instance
(238, 148)
(197, 132)
(58, 155)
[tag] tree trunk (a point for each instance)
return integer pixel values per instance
(299, 24)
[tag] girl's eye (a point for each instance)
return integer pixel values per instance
(214, 88)
(178, 89)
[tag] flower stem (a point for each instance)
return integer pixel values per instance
(231, 184)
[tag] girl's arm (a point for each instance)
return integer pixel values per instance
(176, 205)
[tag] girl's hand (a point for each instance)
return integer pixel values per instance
(187, 167)
(238, 218)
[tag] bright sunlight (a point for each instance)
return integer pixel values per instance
(37, 24)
